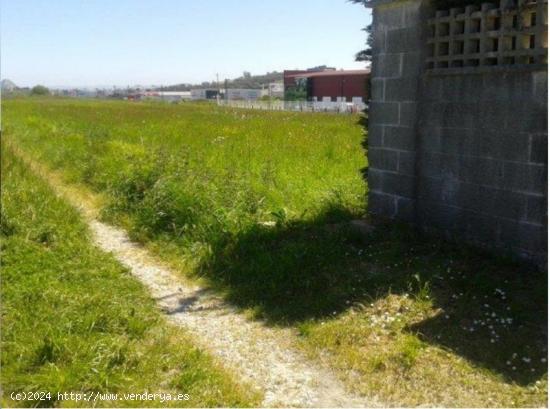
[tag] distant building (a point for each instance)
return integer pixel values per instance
(288, 75)
(8, 85)
(243, 94)
(320, 68)
(327, 85)
(169, 96)
(204, 93)
(274, 90)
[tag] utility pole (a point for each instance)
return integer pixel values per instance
(226, 95)
(218, 88)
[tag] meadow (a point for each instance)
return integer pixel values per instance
(257, 205)
(74, 320)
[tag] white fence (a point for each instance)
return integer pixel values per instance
(300, 106)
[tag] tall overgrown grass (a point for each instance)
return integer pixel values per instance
(197, 174)
(74, 320)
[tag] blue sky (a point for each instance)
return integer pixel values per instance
(127, 42)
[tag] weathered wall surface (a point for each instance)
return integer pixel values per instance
(482, 157)
(397, 65)
(464, 150)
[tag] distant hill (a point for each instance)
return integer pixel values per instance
(247, 80)
(8, 85)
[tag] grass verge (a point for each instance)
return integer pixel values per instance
(74, 320)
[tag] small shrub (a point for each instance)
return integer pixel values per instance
(40, 90)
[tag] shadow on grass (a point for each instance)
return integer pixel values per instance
(491, 311)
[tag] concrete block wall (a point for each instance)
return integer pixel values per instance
(395, 79)
(462, 151)
(482, 157)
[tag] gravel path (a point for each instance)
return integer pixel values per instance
(260, 355)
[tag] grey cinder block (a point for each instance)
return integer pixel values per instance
(401, 89)
(460, 149)
(384, 159)
(401, 40)
(377, 90)
(381, 204)
(386, 65)
(399, 137)
(384, 113)
(375, 136)
(407, 113)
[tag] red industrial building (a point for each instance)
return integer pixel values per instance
(338, 85)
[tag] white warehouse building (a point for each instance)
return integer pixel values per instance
(243, 93)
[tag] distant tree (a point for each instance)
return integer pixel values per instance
(40, 90)
(366, 54)
(253, 81)
(268, 98)
(295, 94)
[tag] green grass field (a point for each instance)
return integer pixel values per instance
(73, 319)
(255, 204)
(201, 180)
